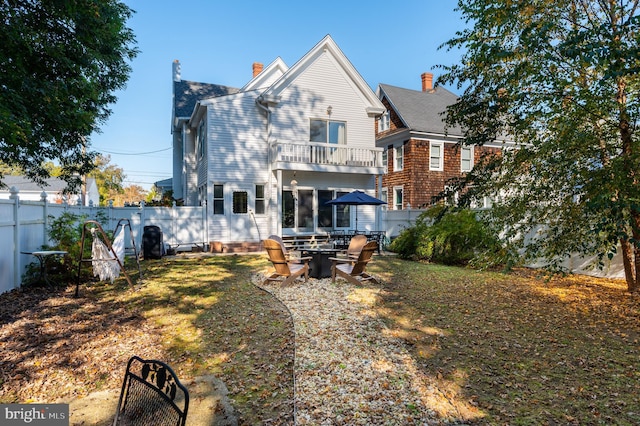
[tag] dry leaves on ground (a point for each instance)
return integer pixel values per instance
(348, 369)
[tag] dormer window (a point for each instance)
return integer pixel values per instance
(328, 131)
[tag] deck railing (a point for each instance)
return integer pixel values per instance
(325, 154)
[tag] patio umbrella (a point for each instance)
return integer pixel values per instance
(356, 198)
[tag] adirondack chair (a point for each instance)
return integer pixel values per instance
(353, 270)
(286, 270)
(356, 245)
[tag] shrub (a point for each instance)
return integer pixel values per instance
(450, 236)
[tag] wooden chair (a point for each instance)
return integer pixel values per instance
(151, 395)
(354, 270)
(281, 242)
(286, 270)
(356, 245)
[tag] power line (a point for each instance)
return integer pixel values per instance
(131, 153)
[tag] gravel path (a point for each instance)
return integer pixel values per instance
(349, 370)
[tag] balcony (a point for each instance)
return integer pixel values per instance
(322, 157)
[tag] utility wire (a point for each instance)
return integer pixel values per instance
(131, 153)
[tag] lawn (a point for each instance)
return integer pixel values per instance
(491, 348)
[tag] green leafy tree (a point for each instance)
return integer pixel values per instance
(561, 79)
(61, 62)
(109, 178)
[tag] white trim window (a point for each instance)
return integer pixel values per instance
(384, 122)
(384, 196)
(218, 199)
(385, 160)
(260, 201)
(328, 131)
(466, 158)
(201, 139)
(398, 158)
(436, 156)
(398, 195)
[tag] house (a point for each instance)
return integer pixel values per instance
(54, 190)
(265, 158)
(420, 154)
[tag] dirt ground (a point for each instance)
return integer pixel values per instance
(208, 405)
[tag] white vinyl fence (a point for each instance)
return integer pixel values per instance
(24, 224)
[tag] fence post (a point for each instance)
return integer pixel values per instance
(16, 236)
(45, 218)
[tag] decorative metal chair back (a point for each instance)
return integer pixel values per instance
(151, 395)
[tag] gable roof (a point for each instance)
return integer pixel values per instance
(421, 111)
(267, 76)
(22, 183)
(327, 45)
(188, 93)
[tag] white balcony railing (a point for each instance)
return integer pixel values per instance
(325, 154)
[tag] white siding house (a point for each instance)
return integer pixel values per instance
(265, 158)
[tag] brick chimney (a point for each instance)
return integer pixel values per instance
(257, 68)
(427, 82)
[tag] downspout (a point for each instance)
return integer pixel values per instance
(267, 111)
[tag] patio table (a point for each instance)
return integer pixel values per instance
(42, 256)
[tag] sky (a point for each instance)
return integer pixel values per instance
(216, 41)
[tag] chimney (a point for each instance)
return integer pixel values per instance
(427, 82)
(257, 68)
(176, 70)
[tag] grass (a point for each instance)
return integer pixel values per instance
(518, 349)
(493, 348)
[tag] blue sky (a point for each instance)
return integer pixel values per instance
(390, 42)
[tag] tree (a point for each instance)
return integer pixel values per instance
(109, 178)
(60, 63)
(561, 79)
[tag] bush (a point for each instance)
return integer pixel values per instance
(450, 236)
(65, 233)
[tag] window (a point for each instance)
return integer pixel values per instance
(383, 123)
(466, 158)
(397, 198)
(288, 209)
(201, 139)
(435, 155)
(343, 213)
(385, 160)
(384, 196)
(325, 211)
(240, 199)
(452, 197)
(218, 199)
(260, 202)
(328, 131)
(398, 158)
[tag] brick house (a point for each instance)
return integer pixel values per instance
(420, 155)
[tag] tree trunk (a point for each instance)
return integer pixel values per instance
(628, 259)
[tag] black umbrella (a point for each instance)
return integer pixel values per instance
(356, 198)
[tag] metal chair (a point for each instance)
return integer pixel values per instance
(151, 395)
